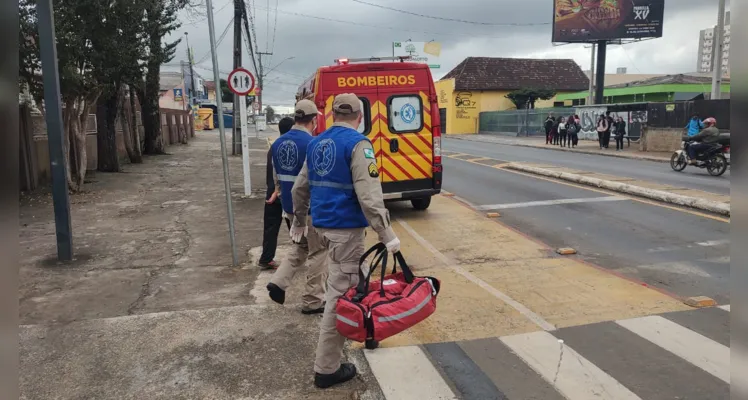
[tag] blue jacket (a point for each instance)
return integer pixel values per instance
(334, 202)
(694, 126)
(289, 154)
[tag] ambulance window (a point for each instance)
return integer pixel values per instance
(365, 127)
(405, 113)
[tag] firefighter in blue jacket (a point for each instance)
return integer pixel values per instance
(340, 181)
(289, 154)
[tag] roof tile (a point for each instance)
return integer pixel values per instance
(489, 73)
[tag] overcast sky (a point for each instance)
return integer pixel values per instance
(305, 30)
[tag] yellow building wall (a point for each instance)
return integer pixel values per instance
(463, 108)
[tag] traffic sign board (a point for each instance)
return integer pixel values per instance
(256, 106)
(241, 82)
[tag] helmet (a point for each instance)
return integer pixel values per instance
(710, 121)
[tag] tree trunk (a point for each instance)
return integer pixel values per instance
(135, 129)
(154, 141)
(68, 141)
(124, 121)
(106, 143)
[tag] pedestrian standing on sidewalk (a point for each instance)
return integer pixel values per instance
(620, 133)
(611, 123)
(341, 183)
(602, 127)
(572, 130)
(548, 125)
(289, 155)
(562, 131)
(273, 209)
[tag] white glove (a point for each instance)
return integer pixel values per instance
(287, 216)
(297, 232)
(393, 246)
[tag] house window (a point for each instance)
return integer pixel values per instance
(405, 113)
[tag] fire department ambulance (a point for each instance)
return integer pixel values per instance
(401, 118)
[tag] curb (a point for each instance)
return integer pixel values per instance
(659, 195)
(556, 148)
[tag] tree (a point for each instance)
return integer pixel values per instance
(522, 97)
(226, 95)
(269, 113)
(160, 20)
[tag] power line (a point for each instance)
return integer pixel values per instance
(215, 12)
(245, 17)
(359, 24)
(275, 28)
(267, 29)
(450, 19)
(218, 42)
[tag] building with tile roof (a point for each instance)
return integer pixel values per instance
(481, 84)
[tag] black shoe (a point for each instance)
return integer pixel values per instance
(345, 373)
(314, 310)
(371, 344)
(277, 294)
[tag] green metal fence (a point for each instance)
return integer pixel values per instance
(518, 122)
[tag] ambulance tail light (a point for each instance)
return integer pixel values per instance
(437, 137)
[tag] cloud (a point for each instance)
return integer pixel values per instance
(312, 33)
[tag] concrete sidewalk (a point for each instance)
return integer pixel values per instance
(151, 308)
(585, 146)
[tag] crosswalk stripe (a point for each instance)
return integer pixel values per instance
(405, 373)
(726, 307)
(697, 349)
(575, 377)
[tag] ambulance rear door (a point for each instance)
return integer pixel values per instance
(404, 118)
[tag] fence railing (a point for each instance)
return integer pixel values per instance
(518, 122)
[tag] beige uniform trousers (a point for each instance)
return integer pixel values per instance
(310, 248)
(345, 248)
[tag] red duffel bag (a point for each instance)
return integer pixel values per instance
(380, 309)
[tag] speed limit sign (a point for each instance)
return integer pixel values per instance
(256, 106)
(241, 82)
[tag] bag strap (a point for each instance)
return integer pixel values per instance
(380, 257)
(407, 272)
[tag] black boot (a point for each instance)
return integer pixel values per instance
(345, 373)
(371, 344)
(312, 311)
(277, 294)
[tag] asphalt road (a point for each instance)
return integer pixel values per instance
(691, 177)
(675, 250)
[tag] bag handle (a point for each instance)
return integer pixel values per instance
(407, 273)
(380, 257)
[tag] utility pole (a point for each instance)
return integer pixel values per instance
(719, 32)
(192, 72)
(236, 147)
(222, 132)
(261, 78)
(591, 97)
(600, 78)
(53, 112)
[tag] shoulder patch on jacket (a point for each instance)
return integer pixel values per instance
(373, 170)
(369, 153)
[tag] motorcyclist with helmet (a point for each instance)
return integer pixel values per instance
(706, 139)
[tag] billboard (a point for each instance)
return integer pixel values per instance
(592, 20)
(423, 52)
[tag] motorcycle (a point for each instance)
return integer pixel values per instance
(715, 159)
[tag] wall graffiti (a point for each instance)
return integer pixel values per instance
(465, 103)
(588, 120)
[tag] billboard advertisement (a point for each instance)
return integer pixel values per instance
(592, 20)
(423, 52)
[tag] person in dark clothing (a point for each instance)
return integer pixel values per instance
(562, 131)
(601, 127)
(572, 130)
(620, 130)
(548, 124)
(273, 209)
(611, 123)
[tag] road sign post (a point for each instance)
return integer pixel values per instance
(242, 83)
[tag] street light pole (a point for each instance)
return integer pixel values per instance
(222, 132)
(717, 56)
(56, 139)
(192, 72)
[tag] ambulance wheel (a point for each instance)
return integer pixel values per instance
(422, 203)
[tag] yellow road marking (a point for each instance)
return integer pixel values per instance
(637, 199)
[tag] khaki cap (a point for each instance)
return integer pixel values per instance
(346, 103)
(305, 108)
